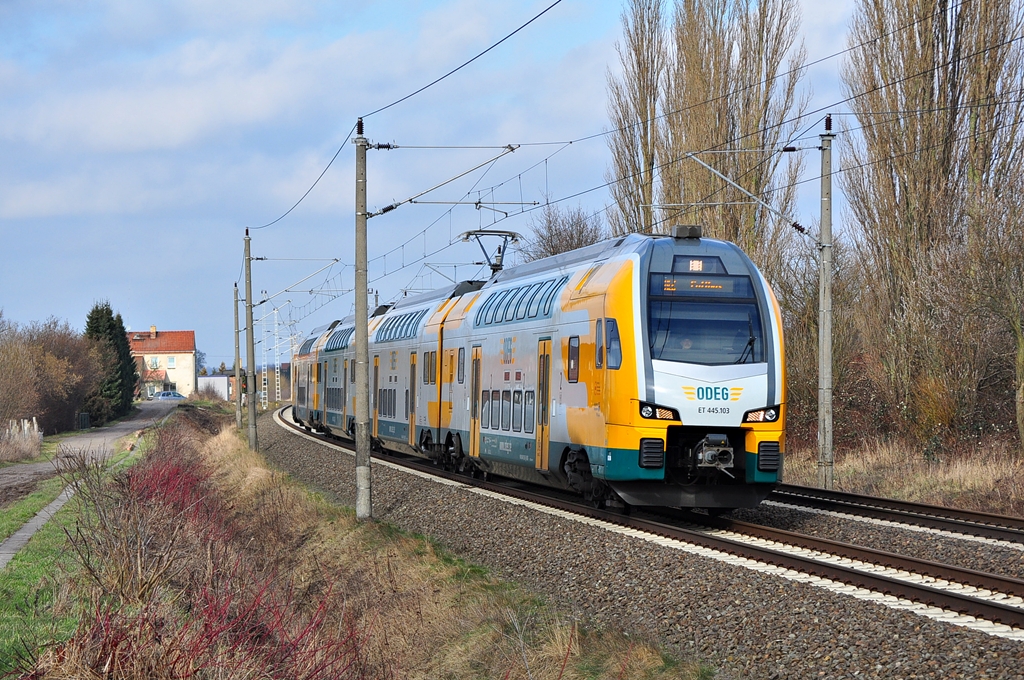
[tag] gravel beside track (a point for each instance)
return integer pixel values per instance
(975, 555)
(749, 625)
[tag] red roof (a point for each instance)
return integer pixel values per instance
(165, 342)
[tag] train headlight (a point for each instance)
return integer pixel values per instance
(655, 412)
(764, 415)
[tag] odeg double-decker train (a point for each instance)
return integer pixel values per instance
(643, 370)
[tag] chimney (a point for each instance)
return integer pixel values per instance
(152, 332)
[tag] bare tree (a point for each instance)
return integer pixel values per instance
(730, 88)
(558, 231)
(18, 388)
(633, 109)
(936, 89)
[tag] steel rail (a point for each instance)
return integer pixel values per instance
(925, 594)
(985, 525)
(970, 577)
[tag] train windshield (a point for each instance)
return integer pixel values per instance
(705, 332)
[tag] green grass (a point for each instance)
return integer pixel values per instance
(31, 614)
(21, 511)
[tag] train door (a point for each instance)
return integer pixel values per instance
(543, 403)
(448, 378)
(344, 401)
(375, 393)
(474, 410)
(315, 388)
(322, 389)
(410, 399)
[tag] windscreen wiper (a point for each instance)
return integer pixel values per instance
(748, 350)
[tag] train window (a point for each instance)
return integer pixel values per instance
(599, 344)
(517, 410)
(538, 297)
(426, 368)
(495, 408)
(523, 303)
(502, 310)
(433, 368)
(549, 296)
(412, 384)
(486, 305)
(485, 410)
(351, 368)
(489, 318)
(704, 264)
(573, 369)
(506, 410)
(409, 326)
(528, 411)
(614, 346)
(513, 305)
(708, 333)
(462, 365)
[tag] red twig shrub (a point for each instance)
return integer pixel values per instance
(179, 588)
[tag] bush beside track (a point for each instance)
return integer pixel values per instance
(200, 561)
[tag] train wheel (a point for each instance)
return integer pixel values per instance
(453, 454)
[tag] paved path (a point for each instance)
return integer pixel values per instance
(98, 443)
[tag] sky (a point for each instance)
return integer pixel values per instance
(139, 140)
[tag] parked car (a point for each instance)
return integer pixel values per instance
(165, 396)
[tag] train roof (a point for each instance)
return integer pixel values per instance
(656, 247)
(445, 293)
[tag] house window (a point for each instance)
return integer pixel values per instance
(170, 362)
(154, 363)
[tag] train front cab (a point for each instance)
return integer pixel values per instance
(708, 435)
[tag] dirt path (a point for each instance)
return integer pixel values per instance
(20, 479)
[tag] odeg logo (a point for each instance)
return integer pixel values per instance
(712, 393)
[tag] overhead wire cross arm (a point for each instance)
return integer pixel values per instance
(505, 151)
(793, 223)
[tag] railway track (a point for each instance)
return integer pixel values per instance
(986, 597)
(951, 520)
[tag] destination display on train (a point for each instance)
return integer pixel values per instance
(689, 285)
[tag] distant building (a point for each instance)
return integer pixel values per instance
(166, 360)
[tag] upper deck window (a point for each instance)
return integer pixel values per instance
(514, 304)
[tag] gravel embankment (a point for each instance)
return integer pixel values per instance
(747, 624)
(975, 555)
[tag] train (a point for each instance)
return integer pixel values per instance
(644, 370)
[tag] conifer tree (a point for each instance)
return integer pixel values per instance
(113, 397)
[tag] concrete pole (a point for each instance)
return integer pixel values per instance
(825, 453)
(238, 369)
(364, 507)
(250, 350)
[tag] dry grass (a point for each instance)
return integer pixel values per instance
(203, 562)
(18, 448)
(987, 476)
(426, 614)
